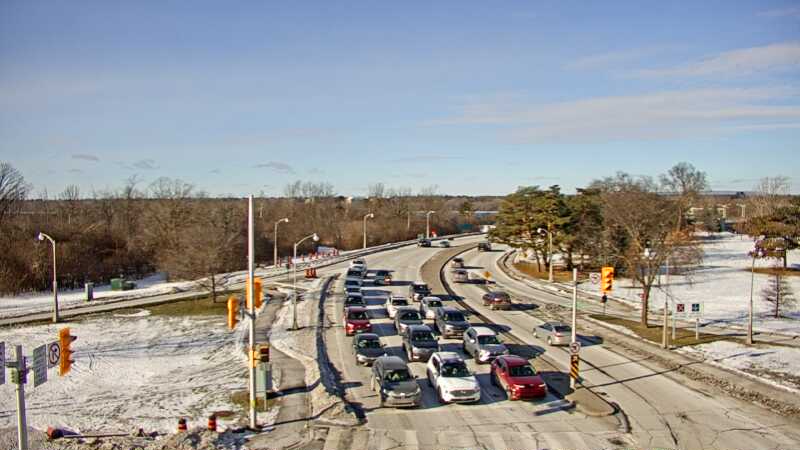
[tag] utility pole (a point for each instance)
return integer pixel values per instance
(574, 305)
(550, 255)
(664, 343)
(275, 242)
(252, 310)
(368, 216)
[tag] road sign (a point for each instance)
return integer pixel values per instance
(575, 347)
(696, 308)
(680, 308)
(573, 366)
(594, 277)
(2, 363)
(53, 354)
(39, 365)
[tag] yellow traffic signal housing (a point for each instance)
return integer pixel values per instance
(606, 279)
(258, 292)
(233, 311)
(65, 340)
(263, 353)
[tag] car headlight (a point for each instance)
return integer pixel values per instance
(448, 327)
(360, 357)
(484, 353)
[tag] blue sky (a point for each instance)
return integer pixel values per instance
(474, 97)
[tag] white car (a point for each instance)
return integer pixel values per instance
(428, 306)
(395, 301)
(449, 376)
(358, 262)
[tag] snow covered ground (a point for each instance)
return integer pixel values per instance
(132, 370)
(722, 285)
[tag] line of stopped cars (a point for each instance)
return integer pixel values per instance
(422, 320)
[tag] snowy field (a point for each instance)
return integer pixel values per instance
(722, 285)
(132, 370)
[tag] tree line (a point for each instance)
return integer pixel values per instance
(172, 226)
(638, 225)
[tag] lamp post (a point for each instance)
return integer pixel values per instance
(275, 242)
(428, 224)
(368, 216)
(549, 234)
(294, 278)
(42, 237)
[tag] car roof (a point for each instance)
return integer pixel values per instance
(558, 324)
(407, 308)
(514, 360)
(355, 309)
(391, 362)
(458, 259)
(400, 298)
(446, 309)
(431, 297)
(449, 356)
(419, 328)
(367, 336)
(484, 331)
(419, 283)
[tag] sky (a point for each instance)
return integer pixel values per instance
(472, 97)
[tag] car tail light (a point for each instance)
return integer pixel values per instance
(558, 334)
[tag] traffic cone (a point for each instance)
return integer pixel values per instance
(181, 424)
(212, 422)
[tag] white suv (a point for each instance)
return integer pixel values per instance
(362, 263)
(394, 302)
(449, 376)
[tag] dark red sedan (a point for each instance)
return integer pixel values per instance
(517, 378)
(356, 320)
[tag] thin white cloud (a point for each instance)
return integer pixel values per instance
(746, 61)
(277, 166)
(659, 115)
(85, 157)
(784, 12)
(145, 164)
(605, 60)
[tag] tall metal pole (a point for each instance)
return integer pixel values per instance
(294, 288)
(550, 255)
(664, 343)
(368, 216)
(574, 304)
(41, 237)
(252, 310)
(22, 423)
(275, 242)
(750, 309)
(428, 224)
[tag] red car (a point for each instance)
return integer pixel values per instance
(497, 300)
(517, 377)
(356, 320)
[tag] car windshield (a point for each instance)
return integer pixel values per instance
(488, 340)
(382, 273)
(500, 296)
(434, 303)
(454, 317)
(369, 343)
(351, 283)
(562, 328)
(422, 336)
(421, 288)
(455, 369)
(410, 315)
(399, 301)
(357, 315)
(354, 301)
(521, 371)
(398, 375)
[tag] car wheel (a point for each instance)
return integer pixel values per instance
(508, 393)
(439, 396)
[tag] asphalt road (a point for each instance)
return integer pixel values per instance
(664, 411)
(494, 423)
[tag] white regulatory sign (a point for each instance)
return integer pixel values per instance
(53, 354)
(575, 347)
(39, 365)
(595, 277)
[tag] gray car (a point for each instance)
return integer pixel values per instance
(483, 344)
(555, 333)
(367, 347)
(419, 343)
(405, 316)
(450, 322)
(394, 383)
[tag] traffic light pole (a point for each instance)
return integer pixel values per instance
(252, 310)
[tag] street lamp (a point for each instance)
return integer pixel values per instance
(294, 278)
(275, 242)
(428, 224)
(42, 237)
(368, 216)
(549, 234)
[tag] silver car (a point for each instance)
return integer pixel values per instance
(428, 307)
(555, 333)
(405, 316)
(483, 344)
(460, 276)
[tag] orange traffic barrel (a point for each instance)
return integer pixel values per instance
(212, 422)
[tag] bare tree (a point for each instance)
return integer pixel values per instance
(771, 194)
(778, 293)
(13, 190)
(685, 182)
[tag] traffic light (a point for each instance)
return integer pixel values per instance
(233, 311)
(258, 292)
(65, 340)
(606, 279)
(263, 353)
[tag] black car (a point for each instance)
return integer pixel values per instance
(424, 243)
(367, 347)
(383, 277)
(394, 383)
(354, 299)
(450, 322)
(419, 343)
(484, 247)
(418, 290)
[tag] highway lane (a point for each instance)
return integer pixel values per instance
(494, 423)
(663, 411)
